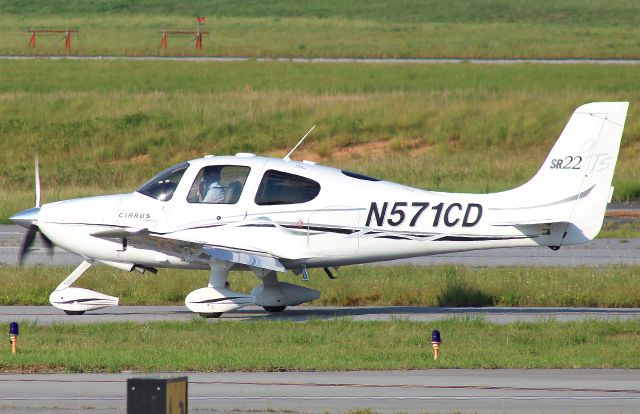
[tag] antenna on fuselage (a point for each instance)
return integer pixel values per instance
(37, 174)
(287, 157)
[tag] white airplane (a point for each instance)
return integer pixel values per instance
(267, 215)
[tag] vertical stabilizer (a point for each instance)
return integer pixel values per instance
(573, 186)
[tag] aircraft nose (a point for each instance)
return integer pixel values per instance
(26, 218)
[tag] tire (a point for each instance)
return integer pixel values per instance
(211, 315)
(68, 312)
(274, 309)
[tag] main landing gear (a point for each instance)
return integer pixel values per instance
(274, 309)
(274, 296)
(210, 302)
(215, 299)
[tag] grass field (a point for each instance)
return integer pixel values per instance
(357, 285)
(107, 126)
(378, 28)
(321, 345)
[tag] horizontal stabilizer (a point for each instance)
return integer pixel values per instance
(538, 222)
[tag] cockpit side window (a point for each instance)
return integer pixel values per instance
(218, 184)
(279, 187)
(162, 186)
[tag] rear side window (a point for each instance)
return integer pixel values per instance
(279, 187)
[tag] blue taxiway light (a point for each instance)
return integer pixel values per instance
(13, 328)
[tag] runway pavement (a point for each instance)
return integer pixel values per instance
(444, 391)
(49, 314)
(600, 252)
(403, 61)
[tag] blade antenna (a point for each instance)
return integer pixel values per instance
(287, 157)
(37, 168)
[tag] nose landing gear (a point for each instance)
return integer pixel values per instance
(76, 301)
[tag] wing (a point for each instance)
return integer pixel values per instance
(142, 238)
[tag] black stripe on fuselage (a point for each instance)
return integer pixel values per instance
(338, 230)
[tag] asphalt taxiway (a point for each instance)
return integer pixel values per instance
(599, 252)
(49, 314)
(465, 391)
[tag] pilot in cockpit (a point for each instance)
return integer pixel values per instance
(210, 190)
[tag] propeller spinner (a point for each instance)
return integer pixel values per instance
(29, 220)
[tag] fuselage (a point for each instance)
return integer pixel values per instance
(309, 214)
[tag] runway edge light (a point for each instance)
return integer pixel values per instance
(435, 343)
(13, 336)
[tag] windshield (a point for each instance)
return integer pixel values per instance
(162, 186)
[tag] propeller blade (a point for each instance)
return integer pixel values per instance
(27, 242)
(47, 243)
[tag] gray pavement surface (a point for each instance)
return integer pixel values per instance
(334, 60)
(49, 314)
(443, 391)
(600, 252)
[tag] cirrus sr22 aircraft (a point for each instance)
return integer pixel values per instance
(267, 215)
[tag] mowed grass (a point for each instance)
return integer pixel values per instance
(378, 28)
(447, 286)
(341, 344)
(107, 126)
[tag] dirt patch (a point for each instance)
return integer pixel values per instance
(35, 369)
(373, 149)
(139, 159)
(622, 213)
(625, 335)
